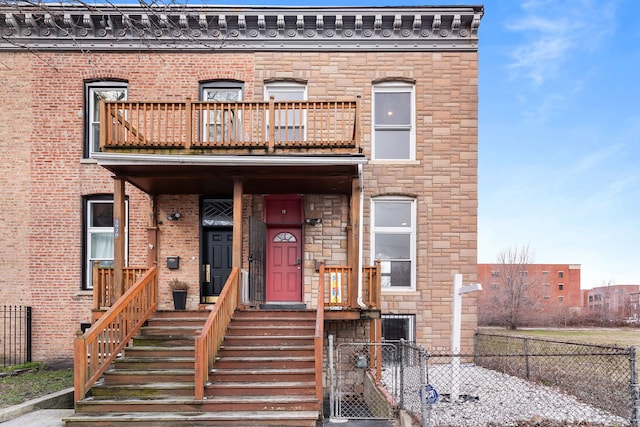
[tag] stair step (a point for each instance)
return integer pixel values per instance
(154, 363)
(160, 351)
(266, 350)
(170, 331)
(270, 388)
(273, 330)
(261, 403)
(168, 404)
(221, 418)
(143, 391)
(255, 362)
(261, 375)
(248, 340)
(124, 377)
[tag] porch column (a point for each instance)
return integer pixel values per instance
(237, 223)
(354, 241)
(152, 233)
(118, 236)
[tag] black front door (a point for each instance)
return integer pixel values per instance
(216, 259)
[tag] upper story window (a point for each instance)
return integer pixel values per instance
(221, 124)
(289, 122)
(393, 241)
(94, 93)
(560, 274)
(98, 235)
(393, 121)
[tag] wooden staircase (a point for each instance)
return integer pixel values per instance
(264, 375)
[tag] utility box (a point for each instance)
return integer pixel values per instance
(173, 262)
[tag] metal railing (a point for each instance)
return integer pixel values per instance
(16, 335)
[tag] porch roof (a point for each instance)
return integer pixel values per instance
(214, 175)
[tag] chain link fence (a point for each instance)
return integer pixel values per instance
(514, 381)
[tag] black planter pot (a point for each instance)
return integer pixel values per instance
(179, 300)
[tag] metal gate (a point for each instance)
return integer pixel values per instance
(356, 393)
(257, 259)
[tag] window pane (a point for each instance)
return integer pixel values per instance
(101, 246)
(393, 108)
(393, 214)
(293, 94)
(107, 95)
(101, 214)
(221, 95)
(400, 273)
(393, 144)
(392, 246)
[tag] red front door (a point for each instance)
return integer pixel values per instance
(284, 262)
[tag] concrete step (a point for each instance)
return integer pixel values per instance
(190, 419)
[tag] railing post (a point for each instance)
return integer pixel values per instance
(189, 119)
(104, 128)
(526, 358)
(635, 388)
(272, 125)
(98, 290)
(28, 332)
(356, 124)
(79, 366)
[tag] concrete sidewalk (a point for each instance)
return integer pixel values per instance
(45, 411)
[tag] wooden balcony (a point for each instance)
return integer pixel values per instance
(194, 127)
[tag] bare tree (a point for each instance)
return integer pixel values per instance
(515, 292)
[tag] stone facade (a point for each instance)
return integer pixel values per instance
(45, 175)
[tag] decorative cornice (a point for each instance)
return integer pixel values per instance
(66, 26)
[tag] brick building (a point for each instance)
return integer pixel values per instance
(613, 302)
(136, 141)
(555, 290)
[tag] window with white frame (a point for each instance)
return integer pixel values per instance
(94, 93)
(220, 125)
(290, 121)
(393, 241)
(398, 326)
(98, 235)
(393, 121)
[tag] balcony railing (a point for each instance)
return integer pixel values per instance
(338, 288)
(198, 127)
(103, 289)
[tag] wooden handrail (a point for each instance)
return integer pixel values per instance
(339, 286)
(318, 339)
(199, 125)
(207, 343)
(103, 283)
(96, 349)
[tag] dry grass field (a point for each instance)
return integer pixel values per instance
(622, 337)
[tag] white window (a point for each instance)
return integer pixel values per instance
(393, 121)
(399, 326)
(99, 235)
(393, 241)
(221, 125)
(290, 121)
(96, 92)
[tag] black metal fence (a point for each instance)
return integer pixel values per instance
(518, 381)
(15, 336)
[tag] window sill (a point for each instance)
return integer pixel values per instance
(394, 162)
(85, 293)
(89, 161)
(407, 291)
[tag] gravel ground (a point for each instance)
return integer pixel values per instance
(490, 398)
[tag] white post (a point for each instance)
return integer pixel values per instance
(455, 337)
(458, 291)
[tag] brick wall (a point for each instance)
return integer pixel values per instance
(44, 182)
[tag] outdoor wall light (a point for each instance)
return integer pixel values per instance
(174, 216)
(313, 221)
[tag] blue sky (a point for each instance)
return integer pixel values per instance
(559, 136)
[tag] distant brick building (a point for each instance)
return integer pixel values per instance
(615, 301)
(556, 290)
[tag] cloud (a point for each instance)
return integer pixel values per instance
(554, 32)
